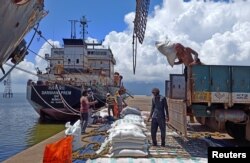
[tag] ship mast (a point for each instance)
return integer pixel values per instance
(73, 28)
(84, 25)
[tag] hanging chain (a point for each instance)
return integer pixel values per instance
(140, 23)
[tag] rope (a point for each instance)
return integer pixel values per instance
(99, 99)
(6, 74)
(95, 147)
(52, 106)
(40, 34)
(37, 54)
(21, 56)
(65, 102)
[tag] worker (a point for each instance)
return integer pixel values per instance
(119, 101)
(91, 98)
(177, 50)
(184, 55)
(84, 110)
(159, 116)
(110, 102)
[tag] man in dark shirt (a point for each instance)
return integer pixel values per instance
(159, 115)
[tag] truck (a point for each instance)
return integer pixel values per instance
(218, 96)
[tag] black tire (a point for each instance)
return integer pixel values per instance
(236, 131)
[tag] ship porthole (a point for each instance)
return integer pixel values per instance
(17, 24)
(20, 2)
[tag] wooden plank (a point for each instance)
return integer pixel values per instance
(177, 115)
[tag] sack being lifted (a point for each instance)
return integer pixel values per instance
(168, 50)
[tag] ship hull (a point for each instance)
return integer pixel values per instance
(61, 102)
(16, 21)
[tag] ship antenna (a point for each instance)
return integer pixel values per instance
(84, 25)
(73, 28)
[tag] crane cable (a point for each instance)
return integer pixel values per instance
(37, 54)
(140, 23)
(134, 51)
(18, 61)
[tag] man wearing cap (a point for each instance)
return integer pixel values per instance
(159, 116)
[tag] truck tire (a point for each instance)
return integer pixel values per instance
(236, 131)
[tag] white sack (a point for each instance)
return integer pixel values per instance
(168, 50)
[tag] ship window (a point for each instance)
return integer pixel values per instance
(101, 62)
(69, 61)
(77, 60)
(58, 62)
(90, 52)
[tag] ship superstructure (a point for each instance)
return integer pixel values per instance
(80, 63)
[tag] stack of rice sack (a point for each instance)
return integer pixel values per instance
(127, 135)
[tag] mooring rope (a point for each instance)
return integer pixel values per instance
(52, 106)
(65, 102)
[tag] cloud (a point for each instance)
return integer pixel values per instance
(19, 77)
(40, 62)
(219, 32)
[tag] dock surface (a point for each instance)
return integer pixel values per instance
(190, 148)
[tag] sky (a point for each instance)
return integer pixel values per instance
(218, 31)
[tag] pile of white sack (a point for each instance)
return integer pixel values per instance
(127, 135)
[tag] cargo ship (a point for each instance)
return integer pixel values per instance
(75, 67)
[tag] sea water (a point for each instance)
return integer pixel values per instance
(20, 127)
